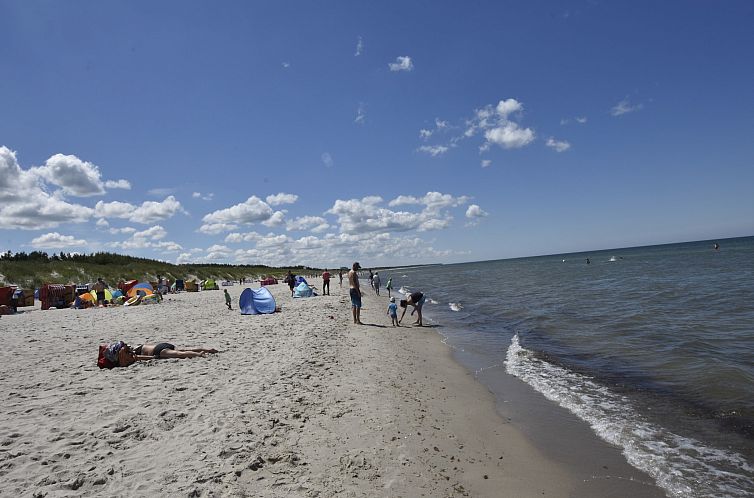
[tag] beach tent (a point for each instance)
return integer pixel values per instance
(92, 296)
(300, 279)
(143, 288)
(179, 284)
(210, 284)
(256, 301)
(126, 286)
(191, 286)
(303, 290)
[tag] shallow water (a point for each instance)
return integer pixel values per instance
(652, 346)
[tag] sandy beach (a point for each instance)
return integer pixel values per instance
(298, 403)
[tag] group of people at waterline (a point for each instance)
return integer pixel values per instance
(415, 300)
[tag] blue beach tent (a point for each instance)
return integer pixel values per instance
(256, 301)
(303, 290)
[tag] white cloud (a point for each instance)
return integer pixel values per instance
(433, 150)
(486, 163)
(74, 176)
(558, 145)
(242, 237)
(156, 232)
(474, 214)
(215, 228)
(509, 136)
(204, 197)
(253, 210)
(624, 107)
(26, 205)
(581, 119)
(425, 134)
(359, 47)
(102, 223)
(277, 219)
(122, 230)
(402, 63)
(123, 184)
(509, 106)
(327, 160)
(148, 212)
(285, 65)
(281, 198)
(312, 223)
(184, 258)
(54, 240)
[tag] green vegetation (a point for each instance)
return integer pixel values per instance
(37, 268)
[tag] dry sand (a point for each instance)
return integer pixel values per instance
(298, 403)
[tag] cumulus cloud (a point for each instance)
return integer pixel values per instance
(486, 163)
(509, 135)
(496, 123)
(281, 198)
(253, 210)
(237, 238)
(54, 240)
(277, 219)
(359, 47)
(25, 204)
(149, 238)
(160, 191)
(312, 223)
(625, 107)
(474, 211)
(581, 119)
(402, 63)
(327, 160)
(74, 176)
(558, 145)
(358, 216)
(147, 212)
(121, 230)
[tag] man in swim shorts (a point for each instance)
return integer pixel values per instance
(355, 292)
(99, 289)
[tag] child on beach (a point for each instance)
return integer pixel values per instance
(227, 299)
(392, 310)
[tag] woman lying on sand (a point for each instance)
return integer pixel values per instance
(120, 354)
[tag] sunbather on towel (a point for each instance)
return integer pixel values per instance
(127, 355)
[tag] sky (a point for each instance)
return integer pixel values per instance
(390, 133)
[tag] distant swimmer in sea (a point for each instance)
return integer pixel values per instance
(717, 246)
(587, 261)
(120, 354)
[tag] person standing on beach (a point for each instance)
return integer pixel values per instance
(227, 299)
(99, 288)
(326, 283)
(290, 279)
(389, 286)
(340, 275)
(355, 292)
(376, 283)
(371, 279)
(392, 310)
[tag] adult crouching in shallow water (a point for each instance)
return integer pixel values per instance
(416, 299)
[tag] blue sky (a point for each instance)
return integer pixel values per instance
(385, 132)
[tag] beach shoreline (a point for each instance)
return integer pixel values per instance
(298, 403)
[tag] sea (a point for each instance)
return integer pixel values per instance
(652, 347)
